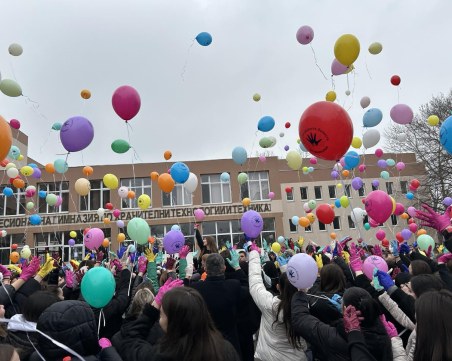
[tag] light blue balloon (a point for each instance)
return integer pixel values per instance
(60, 166)
(7, 192)
(42, 194)
(175, 227)
(33, 165)
(180, 172)
(372, 117)
(302, 147)
(225, 177)
(204, 39)
(295, 220)
(445, 135)
(132, 249)
(281, 239)
(266, 124)
(56, 126)
(384, 174)
(337, 203)
(239, 155)
(35, 219)
(14, 152)
(390, 162)
(351, 159)
(409, 195)
(366, 226)
(311, 169)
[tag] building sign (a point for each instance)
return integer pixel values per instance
(150, 214)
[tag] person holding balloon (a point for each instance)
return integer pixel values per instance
(205, 245)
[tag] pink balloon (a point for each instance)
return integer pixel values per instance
(401, 114)
(116, 213)
(199, 214)
(342, 161)
(378, 152)
(59, 201)
(399, 209)
(14, 123)
(93, 238)
(313, 160)
(362, 168)
(373, 223)
(400, 166)
(337, 68)
(411, 211)
(372, 262)
(271, 195)
(380, 235)
(305, 35)
(378, 206)
(126, 102)
(262, 158)
(413, 227)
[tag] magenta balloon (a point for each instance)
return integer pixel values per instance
(400, 166)
(402, 114)
(413, 227)
(126, 102)
(199, 215)
(380, 235)
(337, 68)
(14, 123)
(378, 206)
(252, 223)
(271, 195)
(173, 241)
(59, 201)
(302, 271)
(76, 134)
(399, 209)
(305, 35)
(411, 211)
(93, 238)
(372, 262)
(372, 223)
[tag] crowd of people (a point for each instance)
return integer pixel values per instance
(236, 304)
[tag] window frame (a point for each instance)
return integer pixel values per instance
(210, 183)
(133, 203)
(260, 181)
(58, 192)
(332, 188)
(304, 189)
(87, 199)
(184, 194)
(315, 195)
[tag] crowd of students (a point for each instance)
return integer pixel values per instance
(233, 304)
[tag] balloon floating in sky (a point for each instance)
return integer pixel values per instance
(15, 49)
(346, 49)
(14, 123)
(372, 117)
(375, 48)
(120, 146)
(267, 142)
(445, 135)
(266, 124)
(371, 138)
(6, 138)
(10, 88)
(395, 80)
(337, 68)
(76, 134)
(85, 94)
(401, 114)
(256, 97)
(126, 102)
(433, 120)
(364, 102)
(305, 35)
(204, 39)
(239, 155)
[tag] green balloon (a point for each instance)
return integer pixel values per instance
(30, 205)
(267, 142)
(56, 126)
(424, 241)
(242, 178)
(10, 88)
(120, 146)
(312, 204)
(51, 199)
(138, 230)
(98, 287)
(366, 226)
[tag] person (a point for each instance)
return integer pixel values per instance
(206, 245)
(8, 353)
(418, 267)
(277, 339)
(189, 331)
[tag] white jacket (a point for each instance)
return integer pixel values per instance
(273, 343)
(395, 311)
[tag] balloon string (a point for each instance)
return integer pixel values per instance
(368, 72)
(128, 137)
(316, 62)
(184, 68)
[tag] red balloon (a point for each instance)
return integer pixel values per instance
(411, 220)
(395, 80)
(86, 230)
(326, 130)
(14, 246)
(109, 206)
(415, 183)
(385, 243)
(287, 125)
(4, 162)
(325, 213)
(288, 189)
(399, 237)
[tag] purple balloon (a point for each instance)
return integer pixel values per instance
(36, 173)
(447, 201)
(357, 183)
(375, 183)
(401, 114)
(337, 68)
(76, 134)
(406, 233)
(71, 242)
(120, 223)
(286, 148)
(302, 270)
(305, 35)
(334, 174)
(251, 223)
(173, 241)
(382, 163)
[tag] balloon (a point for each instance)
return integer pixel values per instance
(251, 223)
(433, 120)
(73, 234)
(357, 142)
(36, 173)
(390, 162)
(98, 287)
(110, 181)
(276, 247)
(121, 237)
(82, 186)
(14, 152)
(447, 201)
(445, 135)
(400, 166)
(173, 241)
(93, 238)
(380, 235)
(25, 252)
(266, 124)
(281, 239)
(105, 243)
(85, 94)
(120, 223)
(14, 257)
(204, 39)
(246, 202)
(180, 172)
(154, 176)
(199, 215)
(262, 158)
(144, 201)
(305, 34)
(225, 177)
(312, 204)
(409, 196)
(364, 102)
(175, 227)
(351, 159)
(167, 155)
(56, 126)
(310, 217)
(395, 80)
(378, 206)
(122, 192)
(166, 182)
(30, 205)
(304, 222)
(287, 125)
(295, 220)
(384, 174)
(35, 219)
(60, 166)
(375, 48)
(15, 49)
(51, 199)
(302, 271)
(337, 68)
(100, 212)
(138, 230)
(357, 215)
(126, 102)
(256, 97)
(357, 183)
(344, 201)
(76, 134)
(326, 130)
(401, 114)
(346, 49)
(372, 262)
(294, 160)
(239, 155)
(12, 172)
(271, 195)
(192, 183)
(411, 211)
(325, 214)
(371, 138)
(424, 241)
(372, 117)
(405, 233)
(267, 142)
(330, 96)
(14, 123)
(242, 178)
(10, 88)
(120, 146)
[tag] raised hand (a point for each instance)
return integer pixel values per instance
(234, 260)
(352, 318)
(432, 219)
(149, 255)
(389, 327)
(169, 285)
(184, 252)
(142, 264)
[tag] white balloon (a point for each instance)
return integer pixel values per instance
(357, 215)
(123, 191)
(30, 188)
(371, 138)
(192, 183)
(281, 134)
(15, 49)
(3, 233)
(306, 208)
(100, 212)
(365, 102)
(12, 172)
(337, 167)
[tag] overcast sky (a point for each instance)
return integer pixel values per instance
(101, 45)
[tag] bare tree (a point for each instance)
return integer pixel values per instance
(423, 139)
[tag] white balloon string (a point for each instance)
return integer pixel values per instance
(128, 139)
(316, 62)
(184, 68)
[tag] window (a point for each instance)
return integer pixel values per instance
(374, 187)
(362, 191)
(366, 219)
(96, 198)
(178, 197)
(60, 189)
(347, 190)
(318, 192)
(139, 186)
(214, 190)
(293, 228)
(389, 187)
(304, 193)
(332, 191)
(351, 224)
(257, 186)
(13, 205)
(289, 195)
(308, 228)
(394, 220)
(5, 246)
(337, 223)
(322, 226)
(404, 187)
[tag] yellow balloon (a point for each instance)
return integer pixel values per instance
(344, 201)
(330, 96)
(294, 160)
(433, 120)
(393, 204)
(256, 97)
(350, 68)
(121, 237)
(246, 202)
(111, 181)
(339, 185)
(20, 157)
(375, 48)
(26, 171)
(276, 247)
(311, 217)
(73, 234)
(346, 49)
(144, 201)
(82, 186)
(357, 142)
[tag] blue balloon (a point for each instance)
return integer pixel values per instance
(225, 177)
(266, 124)
(409, 195)
(60, 166)
(239, 155)
(179, 172)
(351, 159)
(302, 147)
(175, 227)
(35, 219)
(204, 39)
(42, 194)
(14, 152)
(7, 192)
(32, 165)
(445, 135)
(372, 117)
(295, 220)
(337, 203)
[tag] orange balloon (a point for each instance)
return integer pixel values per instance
(87, 171)
(18, 183)
(246, 202)
(14, 257)
(121, 237)
(345, 173)
(304, 222)
(166, 183)
(50, 168)
(333, 235)
(421, 231)
(404, 216)
(85, 94)
(167, 155)
(311, 217)
(106, 243)
(154, 176)
(131, 194)
(107, 220)
(6, 138)
(151, 240)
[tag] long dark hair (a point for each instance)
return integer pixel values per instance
(434, 326)
(191, 333)
(420, 267)
(286, 293)
(332, 279)
(210, 247)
